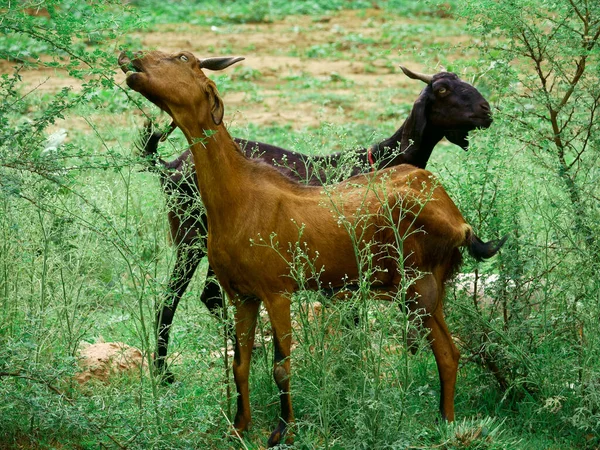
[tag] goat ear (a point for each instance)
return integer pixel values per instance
(217, 109)
(414, 127)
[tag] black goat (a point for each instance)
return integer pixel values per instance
(447, 107)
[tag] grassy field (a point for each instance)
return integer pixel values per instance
(84, 253)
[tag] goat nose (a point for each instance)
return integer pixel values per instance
(125, 57)
(485, 107)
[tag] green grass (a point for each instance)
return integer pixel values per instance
(84, 256)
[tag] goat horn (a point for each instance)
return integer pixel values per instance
(220, 62)
(416, 75)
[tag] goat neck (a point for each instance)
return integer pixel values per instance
(414, 141)
(408, 145)
(215, 149)
(177, 85)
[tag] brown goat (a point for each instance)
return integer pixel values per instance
(447, 107)
(247, 200)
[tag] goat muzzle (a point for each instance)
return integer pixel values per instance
(124, 62)
(127, 64)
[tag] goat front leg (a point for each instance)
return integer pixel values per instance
(186, 263)
(213, 299)
(246, 314)
(278, 308)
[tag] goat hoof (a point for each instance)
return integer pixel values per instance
(167, 378)
(280, 432)
(236, 433)
(163, 372)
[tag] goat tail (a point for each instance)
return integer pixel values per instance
(482, 250)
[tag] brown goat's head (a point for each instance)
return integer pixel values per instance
(450, 105)
(176, 84)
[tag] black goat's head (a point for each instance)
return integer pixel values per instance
(448, 107)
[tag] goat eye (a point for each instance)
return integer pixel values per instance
(183, 58)
(442, 90)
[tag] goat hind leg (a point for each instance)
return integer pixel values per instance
(446, 358)
(426, 295)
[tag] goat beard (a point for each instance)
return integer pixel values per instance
(459, 138)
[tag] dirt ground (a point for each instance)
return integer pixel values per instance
(266, 49)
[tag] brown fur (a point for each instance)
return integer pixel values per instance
(250, 204)
(447, 107)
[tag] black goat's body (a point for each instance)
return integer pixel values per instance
(412, 143)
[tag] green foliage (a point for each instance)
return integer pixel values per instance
(214, 12)
(74, 37)
(553, 109)
(473, 434)
(217, 13)
(537, 180)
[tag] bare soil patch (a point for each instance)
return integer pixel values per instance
(102, 360)
(278, 52)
